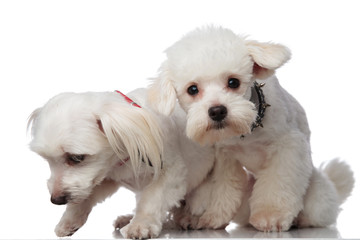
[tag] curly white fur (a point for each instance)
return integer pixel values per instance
(202, 71)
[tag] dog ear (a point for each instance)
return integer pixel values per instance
(267, 57)
(134, 132)
(32, 120)
(161, 93)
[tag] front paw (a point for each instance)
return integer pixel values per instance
(271, 220)
(213, 221)
(67, 227)
(187, 221)
(122, 221)
(142, 228)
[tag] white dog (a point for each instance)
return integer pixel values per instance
(96, 142)
(213, 73)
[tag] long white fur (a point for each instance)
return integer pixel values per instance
(288, 188)
(109, 130)
(137, 134)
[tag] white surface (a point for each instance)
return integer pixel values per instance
(47, 47)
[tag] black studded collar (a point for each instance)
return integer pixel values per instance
(258, 98)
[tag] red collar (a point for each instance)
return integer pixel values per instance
(122, 162)
(128, 99)
(135, 105)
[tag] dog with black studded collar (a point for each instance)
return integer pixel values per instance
(211, 72)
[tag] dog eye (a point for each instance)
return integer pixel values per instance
(233, 83)
(193, 90)
(73, 159)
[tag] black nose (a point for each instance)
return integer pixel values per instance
(60, 200)
(217, 113)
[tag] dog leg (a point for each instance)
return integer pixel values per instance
(330, 185)
(280, 187)
(187, 216)
(214, 203)
(243, 214)
(76, 214)
(229, 183)
(155, 200)
(73, 218)
(183, 218)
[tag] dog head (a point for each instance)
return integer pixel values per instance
(211, 71)
(85, 136)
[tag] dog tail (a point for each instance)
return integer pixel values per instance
(341, 175)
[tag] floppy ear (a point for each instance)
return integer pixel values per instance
(32, 120)
(267, 57)
(161, 93)
(134, 132)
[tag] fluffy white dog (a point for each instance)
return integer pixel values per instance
(96, 142)
(218, 79)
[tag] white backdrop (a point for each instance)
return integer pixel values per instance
(48, 47)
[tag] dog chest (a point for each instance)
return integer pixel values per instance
(252, 156)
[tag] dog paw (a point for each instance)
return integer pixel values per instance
(67, 228)
(122, 221)
(188, 222)
(140, 229)
(271, 221)
(212, 221)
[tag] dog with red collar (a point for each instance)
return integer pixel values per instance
(96, 142)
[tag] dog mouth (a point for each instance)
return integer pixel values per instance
(217, 125)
